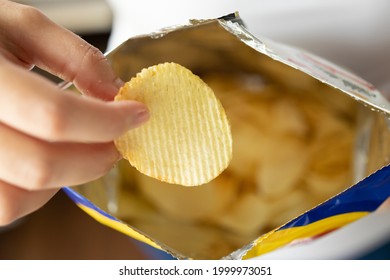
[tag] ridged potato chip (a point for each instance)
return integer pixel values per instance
(187, 140)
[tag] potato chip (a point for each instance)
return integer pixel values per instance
(189, 204)
(284, 163)
(187, 140)
(247, 216)
(290, 206)
(288, 119)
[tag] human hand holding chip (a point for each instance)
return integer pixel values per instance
(49, 137)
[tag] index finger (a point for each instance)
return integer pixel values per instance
(59, 51)
(40, 109)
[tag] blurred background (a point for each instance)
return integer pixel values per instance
(86, 17)
(349, 33)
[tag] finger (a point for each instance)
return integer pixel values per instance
(37, 107)
(35, 165)
(59, 51)
(16, 202)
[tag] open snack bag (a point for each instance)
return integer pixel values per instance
(304, 131)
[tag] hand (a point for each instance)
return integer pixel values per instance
(49, 137)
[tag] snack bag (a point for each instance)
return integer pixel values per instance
(303, 132)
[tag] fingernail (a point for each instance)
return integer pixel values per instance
(119, 83)
(139, 116)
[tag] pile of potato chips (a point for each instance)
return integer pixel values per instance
(293, 146)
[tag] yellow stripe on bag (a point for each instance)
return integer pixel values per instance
(278, 238)
(117, 225)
